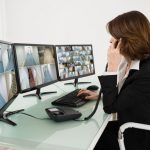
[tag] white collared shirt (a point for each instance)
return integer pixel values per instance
(122, 73)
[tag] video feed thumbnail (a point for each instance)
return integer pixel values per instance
(36, 65)
(74, 61)
(8, 86)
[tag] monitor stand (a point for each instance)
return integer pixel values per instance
(38, 93)
(75, 83)
(3, 117)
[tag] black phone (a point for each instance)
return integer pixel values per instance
(62, 113)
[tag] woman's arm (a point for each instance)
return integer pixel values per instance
(136, 90)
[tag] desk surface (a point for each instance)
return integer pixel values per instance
(36, 134)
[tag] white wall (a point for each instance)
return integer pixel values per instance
(67, 22)
(2, 20)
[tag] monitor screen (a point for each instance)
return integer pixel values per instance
(8, 85)
(36, 65)
(74, 61)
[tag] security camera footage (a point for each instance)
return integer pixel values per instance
(8, 86)
(74, 61)
(36, 65)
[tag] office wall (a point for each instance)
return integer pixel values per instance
(67, 22)
(2, 20)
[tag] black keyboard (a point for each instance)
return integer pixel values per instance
(71, 99)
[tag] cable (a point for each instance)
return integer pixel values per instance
(34, 116)
(96, 105)
(98, 100)
(86, 118)
(95, 108)
(20, 112)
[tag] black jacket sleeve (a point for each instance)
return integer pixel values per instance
(136, 90)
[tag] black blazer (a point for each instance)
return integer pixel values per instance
(132, 103)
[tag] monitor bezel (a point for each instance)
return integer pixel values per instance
(17, 67)
(75, 77)
(8, 103)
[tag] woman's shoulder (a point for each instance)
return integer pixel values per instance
(145, 65)
(144, 70)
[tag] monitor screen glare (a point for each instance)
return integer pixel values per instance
(36, 65)
(8, 86)
(74, 61)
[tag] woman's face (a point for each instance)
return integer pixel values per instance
(112, 40)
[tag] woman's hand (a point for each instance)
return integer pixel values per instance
(113, 55)
(90, 94)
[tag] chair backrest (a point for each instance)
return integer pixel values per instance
(126, 126)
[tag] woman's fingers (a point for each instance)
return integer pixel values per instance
(84, 91)
(89, 94)
(113, 55)
(81, 92)
(93, 96)
(119, 43)
(114, 44)
(89, 97)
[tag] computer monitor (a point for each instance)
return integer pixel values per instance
(35, 66)
(74, 61)
(8, 84)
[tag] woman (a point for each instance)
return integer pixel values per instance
(126, 82)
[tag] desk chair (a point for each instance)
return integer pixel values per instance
(126, 126)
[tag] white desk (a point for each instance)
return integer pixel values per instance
(36, 134)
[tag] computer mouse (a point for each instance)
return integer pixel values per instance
(92, 87)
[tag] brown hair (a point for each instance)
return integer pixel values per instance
(133, 28)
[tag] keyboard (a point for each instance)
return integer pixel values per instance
(71, 99)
